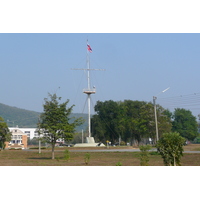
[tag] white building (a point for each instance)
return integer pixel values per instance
(30, 132)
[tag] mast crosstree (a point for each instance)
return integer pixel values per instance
(89, 90)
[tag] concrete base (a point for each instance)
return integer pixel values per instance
(89, 143)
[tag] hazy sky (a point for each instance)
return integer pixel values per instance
(138, 66)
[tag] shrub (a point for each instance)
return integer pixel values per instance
(66, 155)
(144, 155)
(119, 164)
(170, 147)
(87, 158)
(122, 143)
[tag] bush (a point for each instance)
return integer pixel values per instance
(66, 155)
(170, 147)
(119, 164)
(122, 143)
(144, 155)
(197, 140)
(87, 158)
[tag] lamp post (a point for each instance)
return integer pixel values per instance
(155, 111)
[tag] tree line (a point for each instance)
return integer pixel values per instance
(134, 122)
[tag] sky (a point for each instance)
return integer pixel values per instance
(137, 66)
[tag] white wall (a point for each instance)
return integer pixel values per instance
(30, 132)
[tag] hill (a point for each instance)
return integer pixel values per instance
(28, 119)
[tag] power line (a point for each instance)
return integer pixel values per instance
(189, 101)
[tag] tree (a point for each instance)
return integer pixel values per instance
(105, 123)
(131, 120)
(55, 121)
(5, 135)
(170, 147)
(185, 123)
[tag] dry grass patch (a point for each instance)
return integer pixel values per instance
(33, 158)
(192, 147)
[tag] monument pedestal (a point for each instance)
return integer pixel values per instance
(89, 143)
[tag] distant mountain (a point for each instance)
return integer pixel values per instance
(29, 119)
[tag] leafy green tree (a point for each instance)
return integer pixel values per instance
(164, 121)
(105, 123)
(5, 135)
(185, 123)
(170, 147)
(130, 120)
(55, 121)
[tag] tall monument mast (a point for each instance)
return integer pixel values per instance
(89, 90)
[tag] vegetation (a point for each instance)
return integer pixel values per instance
(32, 158)
(144, 155)
(5, 135)
(19, 117)
(185, 124)
(87, 158)
(28, 119)
(118, 164)
(55, 121)
(66, 155)
(132, 121)
(170, 147)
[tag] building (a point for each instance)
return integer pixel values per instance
(30, 132)
(18, 140)
(20, 137)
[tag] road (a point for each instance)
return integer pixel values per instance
(102, 150)
(119, 150)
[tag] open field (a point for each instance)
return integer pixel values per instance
(32, 158)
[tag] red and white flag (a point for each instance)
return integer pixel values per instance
(89, 48)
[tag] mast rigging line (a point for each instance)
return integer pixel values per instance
(76, 94)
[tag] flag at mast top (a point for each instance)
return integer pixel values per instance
(89, 48)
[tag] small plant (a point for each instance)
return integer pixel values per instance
(66, 155)
(144, 155)
(118, 164)
(87, 158)
(57, 158)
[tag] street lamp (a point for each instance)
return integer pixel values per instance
(155, 111)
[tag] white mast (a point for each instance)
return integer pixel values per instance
(89, 90)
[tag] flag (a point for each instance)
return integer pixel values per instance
(89, 48)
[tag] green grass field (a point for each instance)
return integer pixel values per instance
(33, 158)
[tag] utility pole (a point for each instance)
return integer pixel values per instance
(155, 111)
(39, 136)
(82, 135)
(156, 121)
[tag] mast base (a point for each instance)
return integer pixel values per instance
(89, 143)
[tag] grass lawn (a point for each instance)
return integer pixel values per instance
(32, 158)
